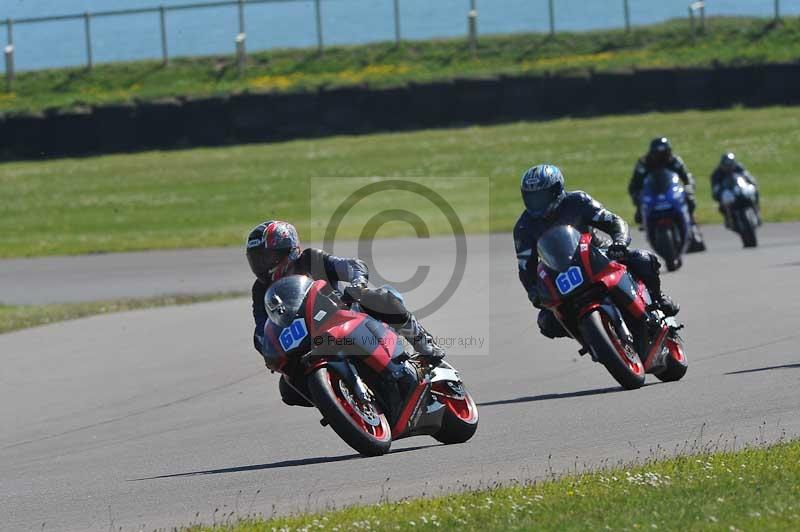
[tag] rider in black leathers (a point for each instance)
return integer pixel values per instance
(729, 165)
(660, 156)
(547, 205)
(273, 252)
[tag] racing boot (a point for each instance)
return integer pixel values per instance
(661, 301)
(422, 341)
(696, 241)
(665, 304)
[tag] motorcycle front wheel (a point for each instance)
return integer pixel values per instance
(665, 246)
(363, 426)
(746, 228)
(614, 352)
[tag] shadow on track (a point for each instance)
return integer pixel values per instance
(549, 396)
(279, 465)
(767, 368)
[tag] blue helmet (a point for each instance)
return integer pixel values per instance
(542, 189)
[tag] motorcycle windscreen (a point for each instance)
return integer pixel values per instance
(557, 247)
(285, 297)
(660, 181)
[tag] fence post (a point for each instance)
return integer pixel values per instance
(777, 10)
(627, 16)
(240, 7)
(241, 38)
(9, 53)
(472, 27)
(164, 51)
(551, 8)
(241, 57)
(87, 24)
(318, 13)
(397, 22)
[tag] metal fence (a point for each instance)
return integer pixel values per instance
(239, 39)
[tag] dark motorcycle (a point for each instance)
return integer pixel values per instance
(738, 201)
(606, 309)
(665, 214)
(369, 388)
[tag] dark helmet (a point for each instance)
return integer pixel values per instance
(542, 189)
(660, 150)
(728, 162)
(271, 247)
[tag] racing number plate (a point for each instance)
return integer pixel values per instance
(569, 280)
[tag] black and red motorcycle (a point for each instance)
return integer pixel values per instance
(370, 388)
(606, 309)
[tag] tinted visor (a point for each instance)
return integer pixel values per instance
(538, 202)
(660, 156)
(263, 260)
(557, 247)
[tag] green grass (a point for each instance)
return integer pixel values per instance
(16, 317)
(754, 489)
(728, 41)
(211, 197)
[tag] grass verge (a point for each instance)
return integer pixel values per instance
(15, 317)
(753, 489)
(727, 41)
(212, 196)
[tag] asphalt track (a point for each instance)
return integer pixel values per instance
(164, 417)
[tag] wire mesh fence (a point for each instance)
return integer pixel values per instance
(235, 26)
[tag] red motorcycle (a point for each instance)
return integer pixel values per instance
(605, 308)
(356, 370)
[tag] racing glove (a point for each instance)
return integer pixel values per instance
(617, 251)
(355, 291)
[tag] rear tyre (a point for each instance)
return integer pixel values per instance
(665, 246)
(746, 228)
(676, 362)
(460, 419)
(363, 426)
(619, 358)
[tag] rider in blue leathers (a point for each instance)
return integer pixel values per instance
(547, 204)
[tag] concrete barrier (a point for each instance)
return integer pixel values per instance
(215, 121)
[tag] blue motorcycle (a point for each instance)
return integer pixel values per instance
(665, 214)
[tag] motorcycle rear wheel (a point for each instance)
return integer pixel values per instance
(620, 359)
(363, 427)
(676, 362)
(460, 419)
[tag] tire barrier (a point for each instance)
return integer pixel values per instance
(251, 117)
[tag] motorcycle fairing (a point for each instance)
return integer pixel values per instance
(352, 333)
(664, 203)
(623, 297)
(621, 286)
